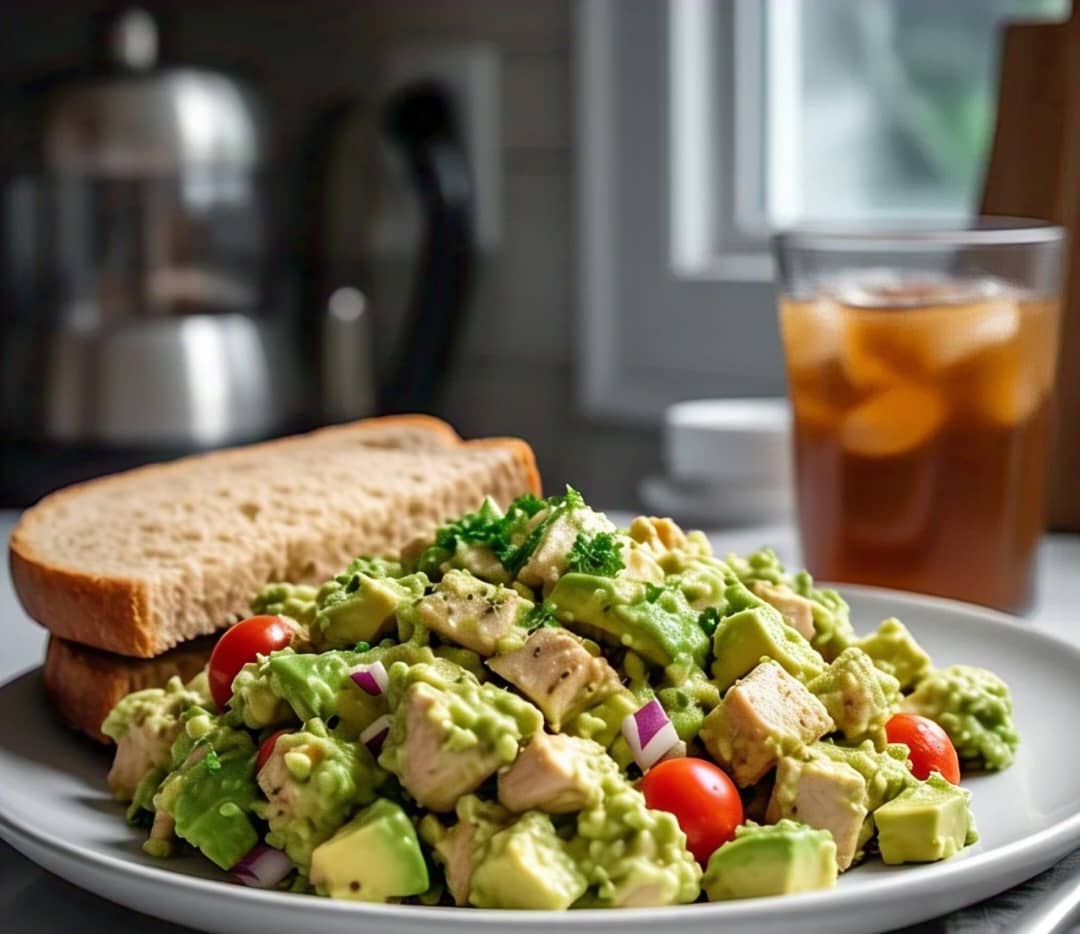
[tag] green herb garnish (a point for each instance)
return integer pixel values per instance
(709, 619)
(541, 615)
(213, 762)
(601, 554)
(653, 592)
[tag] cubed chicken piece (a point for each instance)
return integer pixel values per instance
(480, 616)
(141, 749)
(433, 774)
(554, 773)
(548, 562)
(456, 852)
(763, 716)
(556, 672)
(825, 794)
(798, 612)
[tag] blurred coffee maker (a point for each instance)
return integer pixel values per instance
(160, 296)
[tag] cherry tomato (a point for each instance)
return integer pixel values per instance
(929, 746)
(266, 749)
(703, 799)
(257, 635)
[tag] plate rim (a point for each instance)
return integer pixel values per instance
(1019, 859)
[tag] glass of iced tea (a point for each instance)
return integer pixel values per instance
(921, 365)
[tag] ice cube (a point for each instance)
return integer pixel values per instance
(893, 422)
(953, 335)
(811, 332)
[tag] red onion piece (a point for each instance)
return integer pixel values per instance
(262, 868)
(371, 678)
(375, 735)
(650, 734)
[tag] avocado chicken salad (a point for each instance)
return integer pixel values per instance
(539, 710)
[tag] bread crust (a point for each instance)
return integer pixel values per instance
(115, 613)
(84, 684)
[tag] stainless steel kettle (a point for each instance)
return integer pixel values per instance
(157, 293)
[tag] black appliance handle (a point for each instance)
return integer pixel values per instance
(420, 120)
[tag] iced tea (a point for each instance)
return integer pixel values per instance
(922, 414)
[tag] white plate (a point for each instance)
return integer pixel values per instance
(55, 809)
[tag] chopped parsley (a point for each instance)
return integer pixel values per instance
(213, 762)
(653, 592)
(541, 615)
(709, 619)
(487, 528)
(601, 554)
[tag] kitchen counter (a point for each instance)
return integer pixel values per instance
(33, 901)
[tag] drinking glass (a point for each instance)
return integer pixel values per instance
(921, 366)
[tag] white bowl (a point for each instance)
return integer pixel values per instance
(718, 440)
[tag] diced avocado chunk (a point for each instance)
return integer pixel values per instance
(859, 696)
(362, 610)
(742, 639)
(312, 782)
(526, 866)
(927, 822)
(655, 622)
(974, 707)
(211, 790)
(832, 624)
(775, 859)
(375, 857)
(895, 650)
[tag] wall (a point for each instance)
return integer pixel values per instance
(514, 375)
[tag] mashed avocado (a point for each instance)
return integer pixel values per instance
(632, 856)
(312, 782)
(210, 792)
(297, 601)
(487, 756)
(859, 697)
(974, 707)
(894, 650)
(655, 622)
(832, 624)
(144, 725)
(526, 865)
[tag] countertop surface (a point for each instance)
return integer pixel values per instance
(32, 900)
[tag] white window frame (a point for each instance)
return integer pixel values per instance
(654, 273)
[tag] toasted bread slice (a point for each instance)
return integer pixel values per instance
(140, 561)
(84, 684)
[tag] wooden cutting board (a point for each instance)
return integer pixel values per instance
(1034, 171)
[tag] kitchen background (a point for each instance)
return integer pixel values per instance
(514, 371)
(535, 361)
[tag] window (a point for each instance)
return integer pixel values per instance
(707, 122)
